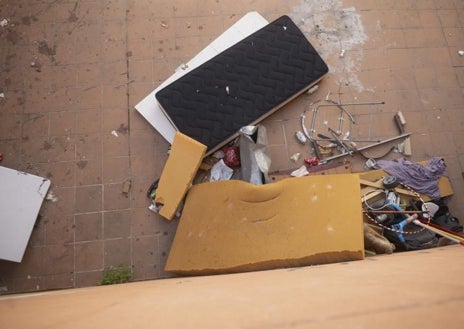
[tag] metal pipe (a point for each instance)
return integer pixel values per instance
(395, 211)
(367, 147)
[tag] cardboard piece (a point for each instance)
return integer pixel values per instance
(149, 107)
(234, 226)
(22, 195)
(177, 176)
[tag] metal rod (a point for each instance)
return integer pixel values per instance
(353, 104)
(438, 231)
(347, 140)
(367, 147)
(395, 211)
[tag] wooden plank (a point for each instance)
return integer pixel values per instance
(379, 184)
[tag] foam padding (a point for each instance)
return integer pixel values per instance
(234, 226)
(178, 173)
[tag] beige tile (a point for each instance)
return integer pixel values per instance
(89, 256)
(115, 169)
(88, 122)
(88, 147)
(116, 224)
(142, 222)
(144, 250)
(115, 145)
(89, 198)
(88, 279)
(141, 70)
(429, 18)
(88, 172)
(453, 35)
(57, 281)
(184, 8)
(117, 252)
(58, 259)
(89, 227)
(414, 38)
(114, 198)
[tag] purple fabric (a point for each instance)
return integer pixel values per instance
(423, 179)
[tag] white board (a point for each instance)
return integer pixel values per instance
(149, 107)
(21, 196)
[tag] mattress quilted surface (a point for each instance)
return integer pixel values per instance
(243, 84)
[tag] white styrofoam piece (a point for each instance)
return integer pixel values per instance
(149, 107)
(21, 196)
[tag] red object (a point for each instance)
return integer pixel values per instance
(313, 161)
(1, 156)
(232, 156)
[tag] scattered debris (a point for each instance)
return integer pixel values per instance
(220, 171)
(3, 22)
(46, 50)
(370, 164)
(313, 161)
(164, 25)
(126, 186)
(302, 171)
(249, 130)
(35, 64)
(227, 90)
(114, 133)
(313, 90)
(461, 52)
(72, 14)
(82, 164)
(301, 137)
(51, 197)
(123, 129)
(219, 154)
(342, 53)
(154, 208)
(295, 157)
(232, 156)
(182, 67)
(2, 95)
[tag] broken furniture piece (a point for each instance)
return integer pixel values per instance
(243, 84)
(22, 195)
(374, 176)
(178, 174)
(234, 226)
(340, 134)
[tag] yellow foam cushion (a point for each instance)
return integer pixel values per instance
(178, 173)
(234, 226)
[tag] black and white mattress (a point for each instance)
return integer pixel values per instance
(242, 85)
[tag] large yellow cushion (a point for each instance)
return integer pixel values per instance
(233, 226)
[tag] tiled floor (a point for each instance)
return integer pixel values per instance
(72, 71)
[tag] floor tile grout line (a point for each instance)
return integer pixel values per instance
(126, 20)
